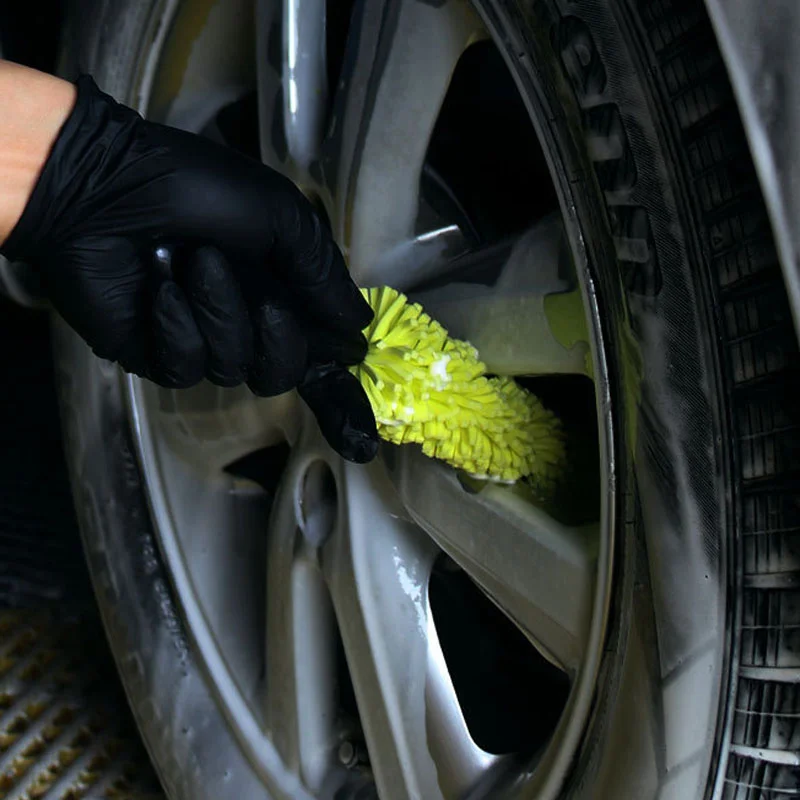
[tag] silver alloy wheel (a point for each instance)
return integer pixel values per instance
(348, 551)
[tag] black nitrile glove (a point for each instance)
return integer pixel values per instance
(181, 259)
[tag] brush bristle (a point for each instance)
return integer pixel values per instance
(428, 388)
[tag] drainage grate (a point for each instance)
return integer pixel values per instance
(65, 733)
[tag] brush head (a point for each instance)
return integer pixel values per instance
(428, 388)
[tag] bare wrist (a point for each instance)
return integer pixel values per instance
(35, 106)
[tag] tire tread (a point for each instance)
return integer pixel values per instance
(760, 360)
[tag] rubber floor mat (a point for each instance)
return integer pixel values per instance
(66, 731)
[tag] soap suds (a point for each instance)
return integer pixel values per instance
(439, 368)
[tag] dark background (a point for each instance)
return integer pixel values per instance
(41, 562)
(29, 31)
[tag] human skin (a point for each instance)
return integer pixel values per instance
(34, 107)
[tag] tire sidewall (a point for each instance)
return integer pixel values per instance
(666, 671)
(194, 751)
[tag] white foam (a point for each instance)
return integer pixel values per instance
(439, 368)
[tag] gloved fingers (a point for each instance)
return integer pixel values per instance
(99, 286)
(178, 352)
(343, 411)
(325, 345)
(222, 316)
(280, 350)
(311, 265)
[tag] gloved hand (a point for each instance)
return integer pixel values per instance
(181, 259)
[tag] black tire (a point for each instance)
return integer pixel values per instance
(714, 470)
(649, 147)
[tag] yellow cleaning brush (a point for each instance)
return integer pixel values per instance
(428, 388)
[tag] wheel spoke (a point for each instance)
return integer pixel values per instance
(269, 67)
(377, 568)
(292, 84)
(538, 571)
(305, 81)
(300, 646)
(397, 69)
(210, 428)
(419, 259)
(517, 303)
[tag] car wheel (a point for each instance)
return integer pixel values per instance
(567, 185)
